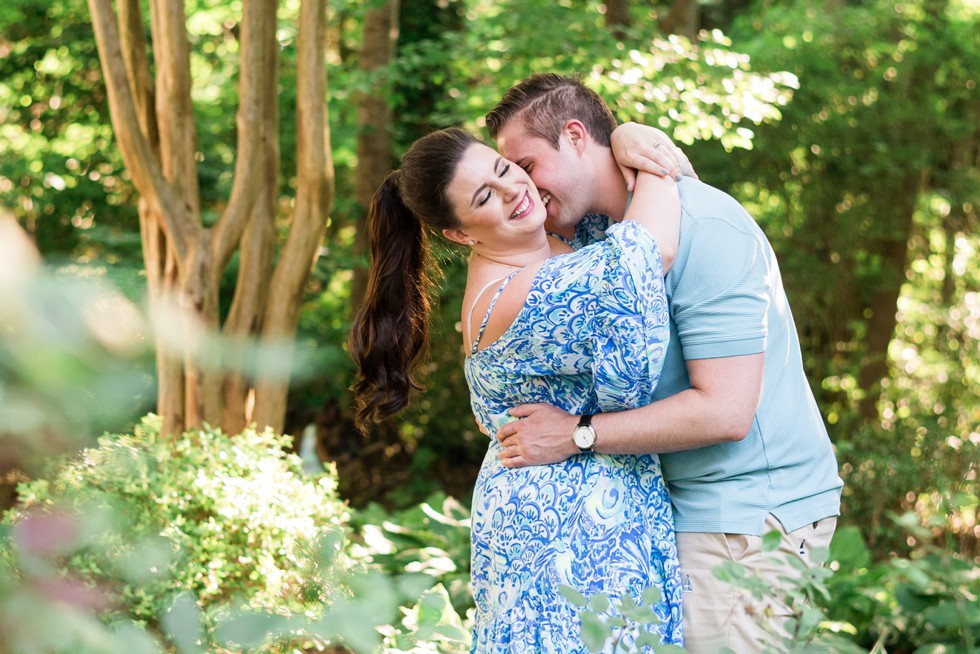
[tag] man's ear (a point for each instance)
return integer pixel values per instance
(457, 236)
(575, 134)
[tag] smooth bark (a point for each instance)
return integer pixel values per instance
(153, 121)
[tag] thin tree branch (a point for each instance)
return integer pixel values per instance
(256, 89)
(314, 193)
(174, 112)
(133, 43)
(314, 188)
(137, 153)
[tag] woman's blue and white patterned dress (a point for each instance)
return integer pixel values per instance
(591, 337)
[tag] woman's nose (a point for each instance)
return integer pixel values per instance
(510, 189)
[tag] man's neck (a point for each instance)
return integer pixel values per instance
(613, 197)
(613, 205)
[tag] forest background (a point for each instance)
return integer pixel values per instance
(213, 171)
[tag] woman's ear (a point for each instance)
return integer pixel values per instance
(458, 236)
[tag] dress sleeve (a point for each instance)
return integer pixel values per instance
(631, 326)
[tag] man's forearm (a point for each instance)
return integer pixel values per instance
(719, 407)
(684, 421)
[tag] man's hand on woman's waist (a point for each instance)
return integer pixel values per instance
(541, 435)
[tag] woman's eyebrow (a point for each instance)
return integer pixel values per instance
(496, 166)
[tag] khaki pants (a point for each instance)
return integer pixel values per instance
(717, 614)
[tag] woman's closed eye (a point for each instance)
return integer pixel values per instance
(486, 198)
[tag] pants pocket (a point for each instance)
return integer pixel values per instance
(741, 546)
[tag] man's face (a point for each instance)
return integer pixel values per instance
(560, 174)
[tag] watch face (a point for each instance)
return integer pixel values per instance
(583, 437)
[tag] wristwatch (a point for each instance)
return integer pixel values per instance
(584, 434)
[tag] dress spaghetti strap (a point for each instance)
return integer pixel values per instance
(486, 318)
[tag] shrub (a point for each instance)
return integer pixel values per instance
(927, 602)
(431, 538)
(430, 543)
(223, 518)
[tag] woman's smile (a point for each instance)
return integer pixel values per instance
(523, 208)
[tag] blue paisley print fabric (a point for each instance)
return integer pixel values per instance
(591, 337)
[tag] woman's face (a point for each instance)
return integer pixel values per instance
(496, 202)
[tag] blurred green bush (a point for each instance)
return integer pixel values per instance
(140, 519)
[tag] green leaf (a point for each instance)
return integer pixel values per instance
(594, 631)
(729, 571)
(250, 629)
(950, 613)
(627, 603)
(810, 617)
(453, 633)
(651, 595)
(574, 597)
(648, 639)
(182, 623)
(600, 603)
(642, 614)
(771, 540)
(849, 550)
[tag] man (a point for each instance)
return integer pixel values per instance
(743, 446)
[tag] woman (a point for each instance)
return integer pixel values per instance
(586, 331)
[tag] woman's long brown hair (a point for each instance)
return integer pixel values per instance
(389, 333)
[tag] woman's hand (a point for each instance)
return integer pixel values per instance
(641, 147)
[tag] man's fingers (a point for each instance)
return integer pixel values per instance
(629, 174)
(507, 454)
(505, 430)
(510, 457)
(524, 410)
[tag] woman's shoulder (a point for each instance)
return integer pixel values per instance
(506, 295)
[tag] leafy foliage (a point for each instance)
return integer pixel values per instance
(619, 623)
(71, 360)
(927, 602)
(862, 120)
(60, 169)
(203, 543)
(225, 517)
(431, 538)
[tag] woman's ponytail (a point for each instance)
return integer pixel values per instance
(390, 330)
(389, 334)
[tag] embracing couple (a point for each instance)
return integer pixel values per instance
(631, 353)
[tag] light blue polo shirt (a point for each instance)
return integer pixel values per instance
(727, 299)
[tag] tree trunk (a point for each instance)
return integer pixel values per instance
(883, 307)
(618, 17)
(314, 194)
(683, 19)
(892, 246)
(374, 146)
(153, 122)
(159, 258)
(251, 212)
